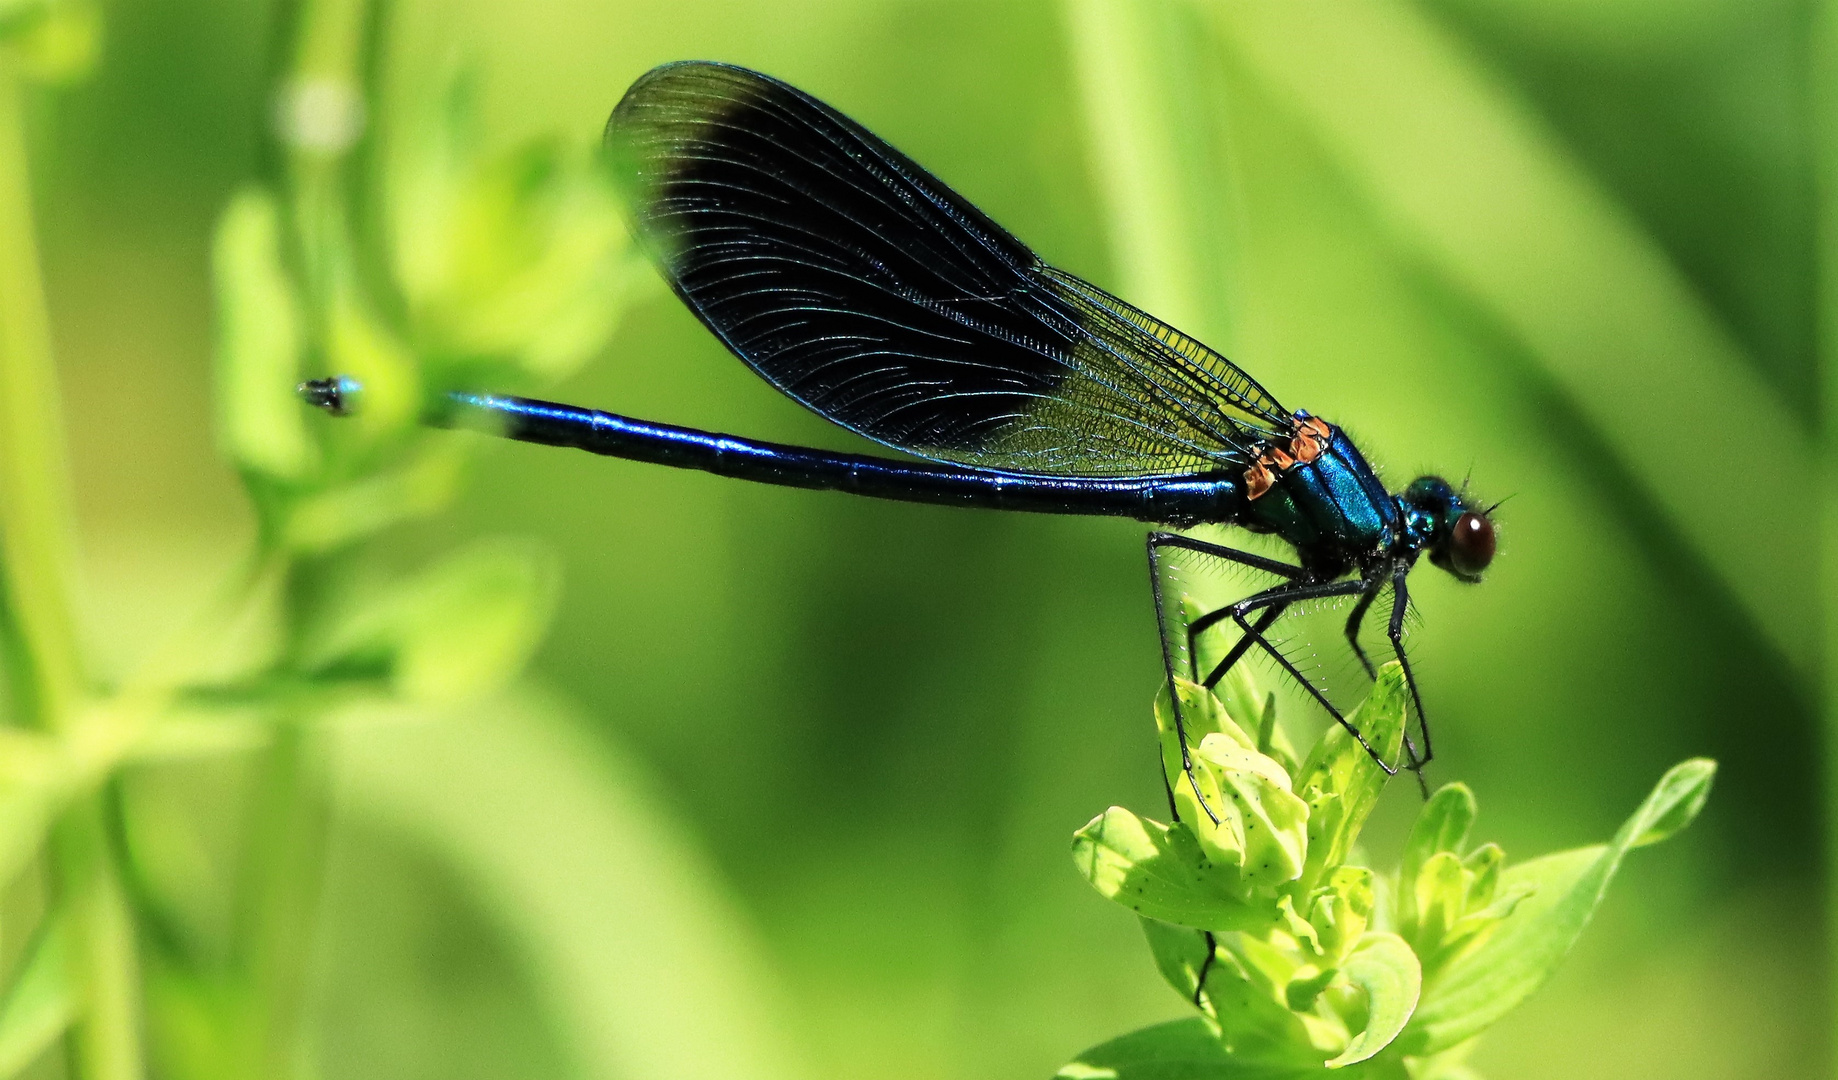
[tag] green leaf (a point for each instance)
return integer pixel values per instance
(1180, 1050)
(1262, 825)
(460, 628)
(1161, 871)
(1238, 695)
(1340, 912)
(418, 486)
(520, 260)
(1386, 970)
(56, 41)
(1203, 715)
(648, 964)
(1674, 803)
(1478, 988)
(260, 424)
(1442, 825)
(1341, 783)
(40, 1004)
(1179, 951)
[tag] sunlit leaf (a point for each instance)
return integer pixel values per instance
(260, 424)
(461, 627)
(1160, 871)
(1385, 969)
(1340, 911)
(1340, 781)
(1181, 1050)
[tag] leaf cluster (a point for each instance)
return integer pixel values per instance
(1297, 959)
(414, 266)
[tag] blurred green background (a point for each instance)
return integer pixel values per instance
(812, 764)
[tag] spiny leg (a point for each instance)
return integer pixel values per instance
(1293, 594)
(1400, 603)
(1206, 966)
(1353, 625)
(1239, 647)
(1358, 616)
(1157, 541)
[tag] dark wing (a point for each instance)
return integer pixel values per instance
(857, 283)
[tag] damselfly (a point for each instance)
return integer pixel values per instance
(860, 285)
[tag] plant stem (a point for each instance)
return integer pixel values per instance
(325, 58)
(107, 1040)
(38, 537)
(1824, 83)
(1153, 134)
(280, 890)
(35, 527)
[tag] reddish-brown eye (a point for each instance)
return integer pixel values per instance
(1471, 545)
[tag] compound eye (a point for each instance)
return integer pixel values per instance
(1471, 545)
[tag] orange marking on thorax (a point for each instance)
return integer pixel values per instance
(1257, 480)
(1306, 443)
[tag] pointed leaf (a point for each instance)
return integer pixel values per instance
(1341, 783)
(1386, 969)
(1442, 825)
(260, 424)
(1181, 1050)
(1674, 803)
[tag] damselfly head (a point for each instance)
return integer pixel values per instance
(1457, 532)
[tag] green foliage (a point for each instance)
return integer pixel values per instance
(53, 41)
(1393, 210)
(505, 268)
(1303, 962)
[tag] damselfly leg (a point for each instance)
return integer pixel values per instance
(1255, 615)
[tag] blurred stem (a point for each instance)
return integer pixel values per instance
(107, 1039)
(35, 529)
(1151, 122)
(1824, 84)
(35, 524)
(324, 87)
(281, 893)
(323, 95)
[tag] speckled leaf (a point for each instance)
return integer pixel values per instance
(1341, 783)
(1161, 871)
